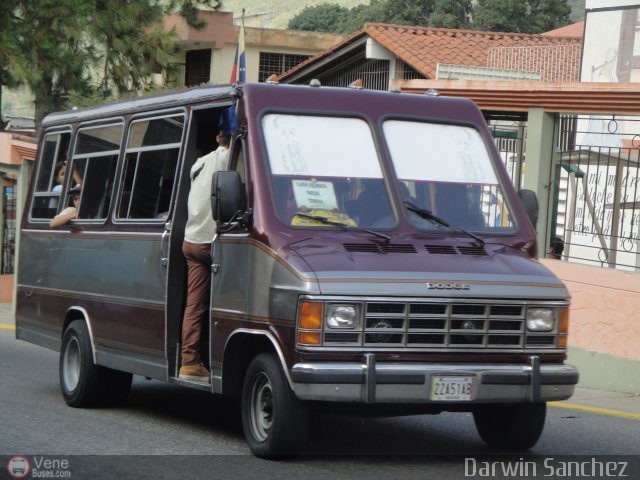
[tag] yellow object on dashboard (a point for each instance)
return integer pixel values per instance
(332, 216)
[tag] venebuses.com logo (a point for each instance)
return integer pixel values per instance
(18, 467)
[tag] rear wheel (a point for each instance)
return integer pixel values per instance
(274, 421)
(511, 427)
(83, 383)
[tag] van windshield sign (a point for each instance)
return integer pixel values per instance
(314, 195)
(320, 146)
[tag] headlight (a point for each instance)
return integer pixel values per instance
(541, 319)
(342, 316)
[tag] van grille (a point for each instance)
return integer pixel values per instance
(455, 326)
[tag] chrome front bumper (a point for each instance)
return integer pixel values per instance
(372, 382)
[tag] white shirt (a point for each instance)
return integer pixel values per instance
(200, 226)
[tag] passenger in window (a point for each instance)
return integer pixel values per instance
(198, 234)
(71, 211)
(59, 173)
(58, 176)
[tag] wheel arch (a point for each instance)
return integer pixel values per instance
(242, 346)
(80, 313)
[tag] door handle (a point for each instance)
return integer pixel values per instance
(164, 242)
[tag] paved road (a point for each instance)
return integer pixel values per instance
(179, 433)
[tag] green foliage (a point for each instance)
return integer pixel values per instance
(88, 48)
(577, 10)
(520, 16)
(52, 44)
(334, 18)
(451, 14)
(327, 17)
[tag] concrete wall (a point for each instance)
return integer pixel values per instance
(604, 331)
(6, 288)
(220, 35)
(16, 152)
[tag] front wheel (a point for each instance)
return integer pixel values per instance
(274, 421)
(82, 382)
(511, 427)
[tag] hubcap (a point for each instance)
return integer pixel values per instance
(261, 407)
(71, 365)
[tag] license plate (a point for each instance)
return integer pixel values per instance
(451, 388)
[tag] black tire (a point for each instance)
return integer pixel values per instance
(274, 421)
(511, 427)
(83, 383)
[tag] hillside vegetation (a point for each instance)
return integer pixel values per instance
(277, 12)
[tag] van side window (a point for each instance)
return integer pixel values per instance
(54, 151)
(94, 166)
(151, 161)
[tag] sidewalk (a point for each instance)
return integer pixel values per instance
(6, 316)
(597, 401)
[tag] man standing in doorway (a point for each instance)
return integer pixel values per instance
(199, 232)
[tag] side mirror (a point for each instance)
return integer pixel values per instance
(530, 202)
(227, 197)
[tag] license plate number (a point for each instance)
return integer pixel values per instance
(452, 388)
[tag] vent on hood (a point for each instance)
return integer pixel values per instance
(379, 248)
(477, 251)
(440, 249)
(449, 250)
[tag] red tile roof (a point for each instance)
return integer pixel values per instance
(573, 30)
(424, 47)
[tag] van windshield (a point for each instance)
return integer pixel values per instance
(447, 170)
(328, 167)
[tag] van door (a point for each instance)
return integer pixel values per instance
(142, 215)
(200, 140)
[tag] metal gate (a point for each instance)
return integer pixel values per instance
(597, 191)
(8, 233)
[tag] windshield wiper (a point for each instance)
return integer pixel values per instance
(428, 215)
(343, 225)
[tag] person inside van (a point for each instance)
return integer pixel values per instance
(59, 173)
(58, 176)
(71, 211)
(198, 234)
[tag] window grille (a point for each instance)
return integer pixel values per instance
(373, 73)
(8, 229)
(407, 72)
(198, 67)
(277, 63)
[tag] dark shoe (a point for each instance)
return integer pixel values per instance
(198, 373)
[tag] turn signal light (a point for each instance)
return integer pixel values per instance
(562, 341)
(563, 326)
(311, 315)
(309, 338)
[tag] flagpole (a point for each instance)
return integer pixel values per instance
(242, 60)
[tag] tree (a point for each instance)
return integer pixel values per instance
(127, 59)
(520, 16)
(334, 18)
(451, 14)
(327, 17)
(548, 15)
(12, 65)
(52, 44)
(89, 48)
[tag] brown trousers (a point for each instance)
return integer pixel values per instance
(198, 257)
